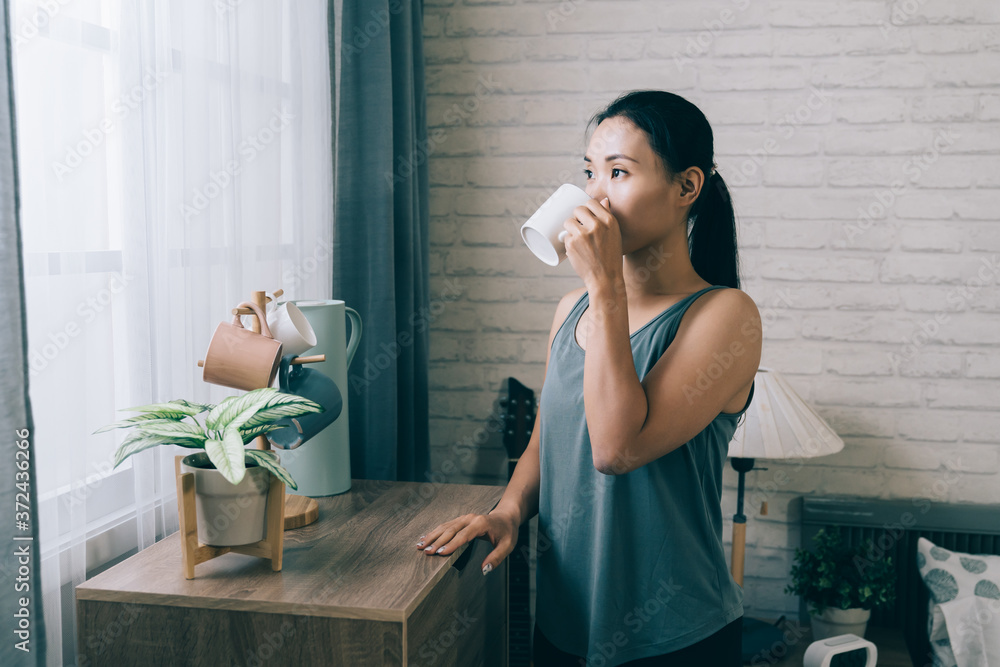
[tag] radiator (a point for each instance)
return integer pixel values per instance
(894, 526)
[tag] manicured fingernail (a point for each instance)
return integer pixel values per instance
(487, 568)
(420, 543)
(429, 549)
(439, 550)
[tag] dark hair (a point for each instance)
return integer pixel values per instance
(679, 133)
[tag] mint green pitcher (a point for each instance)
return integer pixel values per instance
(322, 465)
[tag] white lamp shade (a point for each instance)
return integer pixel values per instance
(780, 425)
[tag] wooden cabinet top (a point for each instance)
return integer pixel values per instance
(358, 561)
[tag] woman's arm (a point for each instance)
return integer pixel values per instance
(714, 356)
(520, 500)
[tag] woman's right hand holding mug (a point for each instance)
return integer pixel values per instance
(499, 527)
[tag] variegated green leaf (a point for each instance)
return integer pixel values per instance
(268, 460)
(258, 407)
(173, 429)
(132, 421)
(223, 414)
(241, 419)
(282, 405)
(251, 433)
(138, 443)
(227, 455)
(216, 410)
(130, 447)
(166, 408)
(200, 407)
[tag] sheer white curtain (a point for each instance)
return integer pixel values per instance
(174, 157)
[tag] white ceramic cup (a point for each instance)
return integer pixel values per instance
(290, 326)
(543, 233)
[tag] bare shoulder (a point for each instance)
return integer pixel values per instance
(729, 310)
(726, 303)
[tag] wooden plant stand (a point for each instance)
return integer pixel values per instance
(194, 552)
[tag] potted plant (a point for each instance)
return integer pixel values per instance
(841, 583)
(231, 482)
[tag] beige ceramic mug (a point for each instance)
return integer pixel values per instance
(240, 358)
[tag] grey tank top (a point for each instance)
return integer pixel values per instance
(629, 566)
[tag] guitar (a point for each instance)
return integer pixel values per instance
(518, 419)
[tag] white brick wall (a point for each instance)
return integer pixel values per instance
(861, 140)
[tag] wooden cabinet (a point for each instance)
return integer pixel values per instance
(353, 591)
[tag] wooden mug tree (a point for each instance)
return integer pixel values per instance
(284, 512)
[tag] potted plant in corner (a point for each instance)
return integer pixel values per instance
(231, 482)
(841, 584)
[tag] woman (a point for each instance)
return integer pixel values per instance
(650, 365)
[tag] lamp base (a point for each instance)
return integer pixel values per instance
(742, 466)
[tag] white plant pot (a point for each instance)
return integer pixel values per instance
(835, 622)
(228, 514)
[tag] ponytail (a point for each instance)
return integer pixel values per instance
(681, 136)
(712, 240)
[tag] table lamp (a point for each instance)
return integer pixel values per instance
(777, 425)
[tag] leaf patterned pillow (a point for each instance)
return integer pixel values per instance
(964, 605)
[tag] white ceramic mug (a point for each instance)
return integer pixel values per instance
(290, 326)
(543, 233)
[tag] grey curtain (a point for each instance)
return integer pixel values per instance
(19, 561)
(381, 248)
